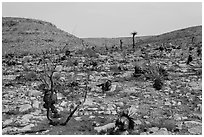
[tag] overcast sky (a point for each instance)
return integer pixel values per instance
(110, 19)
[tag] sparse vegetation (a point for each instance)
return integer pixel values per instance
(63, 83)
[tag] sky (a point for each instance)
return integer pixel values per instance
(116, 19)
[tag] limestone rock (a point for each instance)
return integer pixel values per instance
(24, 108)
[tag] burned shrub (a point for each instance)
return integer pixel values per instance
(163, 72)
(63, 58)
(124, 123)
(49, 100)
(158, 83)
(189, 59)
(105, 86)
(199, 51)
(51, 84)
(75, 62)
(93, 63)
(11, 62)
(67, 53)
(153, 72)
(9, 55)
(138, 71)
(73, 84)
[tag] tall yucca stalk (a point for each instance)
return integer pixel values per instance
(133, 38)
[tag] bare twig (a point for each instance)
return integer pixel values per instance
(81, 103)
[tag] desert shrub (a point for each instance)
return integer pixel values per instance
(9, 55)
(158, 83)
(27, 58)
(153, 72)
(30, 76)
(67, 53)
(137, 71)
(11, 62)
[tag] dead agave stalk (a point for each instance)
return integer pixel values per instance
(81, 103)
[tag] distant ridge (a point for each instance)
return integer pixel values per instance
(184, 34)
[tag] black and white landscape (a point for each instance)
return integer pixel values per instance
(55, 83)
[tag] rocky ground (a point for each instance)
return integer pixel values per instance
(176, 109)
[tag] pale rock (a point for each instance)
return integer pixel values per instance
(177, 117)
(173, 102)
(171, 91)
(36, 104)
(101, 112)
(154, 129)
(167, 103)
(35, 93)
(120, 104)
(93, 109)
(162, 131)
(86, 113)
(63, 104)
(78, 118)
(8, 121)
(113, 88)
(143, 133)
(37, 112)
(25, 118)
(88, 102)
(145, 117)
(24, 108)
(27, 59)
(59, 68)
(125, 133)
(62, 79)
(184, 118)
(137, 122)
(60, 109)
(102, 108)
(133, 97)
(192, 123)
(127, 74)
(78, 113)
(56, 75)
(9, 129)
(104, 128)
(92, 117)
(147, 96)
(27, 128)
(60, 96)
(114, 112)
(179, 103)
(95, 124)
(197, 130)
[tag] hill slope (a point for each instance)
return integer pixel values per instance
(21, 34)
(195, 31)
(181, 35)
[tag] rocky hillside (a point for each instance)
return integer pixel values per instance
(23, 35)
(175, 37)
